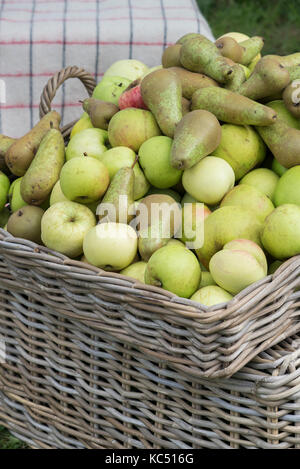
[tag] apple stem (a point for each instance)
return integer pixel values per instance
(85, 154)
(135, 161)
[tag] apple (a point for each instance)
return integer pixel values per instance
(83, 123)
(209, 180)
(110, 88)
(128, 68)
(206, 279)
(281, 232)
(263, 179)
(171, 192)
(4, 216)
(57, 194)
(211, 295)
(135, 270)
(110, 246)
(4, 189)
(274, 266)
(132, 97)
(193, 216)
(64, 226)
(154, 158)
(15, 199)
(287, 189)
(187, 199)
(84, 179)
(89, 141)
(131, 127)
(241, 147)
(120, 157)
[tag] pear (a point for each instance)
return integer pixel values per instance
(283, 141)
(287, 60)
(161, 92)
(202, 55)
(119, 198)
(236, 79)
(267, 78)
(187, 37)
(45, 168)
(190, 81)
(233, 108)
(83, 123)
(291, 98)
(197, 135)
(185, 103)
(26, 223)
(5, 144)
(230, 48)
(4, 189)
(279, 106)
(4, 216)
(171, 56)
(251, 48)
(21, 153)
(100, 112)
(294, 71)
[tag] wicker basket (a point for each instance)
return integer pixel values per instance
(98, 360)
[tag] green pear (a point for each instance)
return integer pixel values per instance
(187, 37)
(135, 270)
(251, 48)
(88, 141)
(206, 280)
(197, 135)
(185, 104)
(4, 189)
(128, 68)
(83, 123)
(190, 81)
(171, 56)
(5, 143)
(26, 223)
(287, 189)
(100, 112)
(161, 92)
(211, 295)
(110, 88)
(284, 114)
(16, 200)
(131, 127)
(4, 216)
(57, 194)
(236, 79)
(120, 157)
(278, 168)
(233, 108)
(21, 153)
(118, 200)
(263, 179)
(242, 147)
(174, 269)
(249, 198)
(44, 169)
(154, 158)
(84, 179)
(281, 232)
(287, 60)
(230, 48)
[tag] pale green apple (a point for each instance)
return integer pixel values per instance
(249, 198)
(176, 242)
(188, 199)
(241, 147)
(110, 88)
(131, 127)
(252, 248)
(211, 295)
(209, 180)
(278, 168)
(193, 216)
(4, 189)
(57, 194)
(15, 199)
(206, 279)
(135, 270)
(154, 158)
(120, 157)
(263, 179)
(84, 179)
(281, 232)
(174, 269)
(128, 68)
(170, 192)
(64, 226)
(83, 123)
(110, 246)
(287, 190)
(90, 142)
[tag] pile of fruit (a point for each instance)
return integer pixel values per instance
(185, 176)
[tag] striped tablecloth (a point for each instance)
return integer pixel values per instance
(39, 37)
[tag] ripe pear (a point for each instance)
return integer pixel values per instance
(5, 143)
(197, 135)
(283, 113)
(118, 199)
(291, 98)
(174, 269)
(100, 112)
(4, 189)
(83, 123)
(233, 108)
(190, 81)
(202, 55)
(44, 169)
(171, 56)
(26, 223)
(161, 92)
(211, 295)
(136, 270)
(263, 179)
(88, 141)
(21, 153)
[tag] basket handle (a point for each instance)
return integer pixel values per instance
(56, 81)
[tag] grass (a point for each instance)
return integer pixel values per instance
(277, 21)
(8, 441)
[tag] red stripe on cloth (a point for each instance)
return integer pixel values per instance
(91, 20)
(81, 43)
(27, 106)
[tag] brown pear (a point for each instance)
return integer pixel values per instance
(26, 223)
(5, 143)
(171, 56)
(230, 48)
(100, 112)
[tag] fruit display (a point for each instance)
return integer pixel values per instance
(184, 176)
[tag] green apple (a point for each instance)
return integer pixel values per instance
(211, 295)
(193, 216)
(249, 198)
(136, 270)
(84, 179)
(110, 246)
(188, 199)
(83, 123)
(110, 88)
(287, 189)
(209, 180)
(263, 179)
(281, 232)
(57, 194)
(175, 269)
(64, 226)
(4, 189)
(15, 199)
(170, 192)
(284, 114)
(120, 157)
(131, 127)
(89, 141)
(154, 158)
(278, 168)
(128, 68)
(206, 279)
(241, 147)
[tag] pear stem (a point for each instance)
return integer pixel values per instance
(135, 161)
